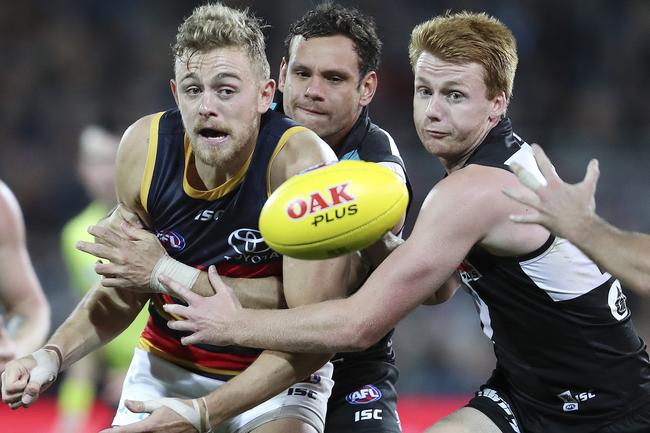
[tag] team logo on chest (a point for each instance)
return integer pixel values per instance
(249, 246)
(171, 240)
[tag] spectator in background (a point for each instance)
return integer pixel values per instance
(27, 313)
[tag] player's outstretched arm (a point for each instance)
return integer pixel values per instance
(101, 315)
(104, 312)
(27, 319)
(568, 210)
(445, 230)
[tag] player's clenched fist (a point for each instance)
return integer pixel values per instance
(26, 378)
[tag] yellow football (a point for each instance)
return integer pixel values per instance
(333, 209)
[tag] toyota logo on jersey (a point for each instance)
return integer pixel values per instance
(247, 241)
(171, 240)
(364, 395)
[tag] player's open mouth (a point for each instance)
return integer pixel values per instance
(212, 136)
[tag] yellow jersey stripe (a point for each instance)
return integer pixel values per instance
(283, 140)
(146, 345)
(150, 164)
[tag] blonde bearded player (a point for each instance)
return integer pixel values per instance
(222, 160)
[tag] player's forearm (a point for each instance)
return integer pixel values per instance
(626, 255)
(251, 292)
(269, 375)
(318, 328)
(29, 325)
(100, 316)
(445, 292)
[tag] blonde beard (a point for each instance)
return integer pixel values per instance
(213, 157)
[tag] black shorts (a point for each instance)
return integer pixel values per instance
(496, 405)
(504, 411)
(637, 422)
(364, 399)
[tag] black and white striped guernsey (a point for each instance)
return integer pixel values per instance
(567, 351)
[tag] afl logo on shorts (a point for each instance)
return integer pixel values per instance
(171, 240)
(366, 394)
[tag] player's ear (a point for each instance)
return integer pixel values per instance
(172, 85)
(368, 87)
(266, 94)
(282, 77)
(499, 106)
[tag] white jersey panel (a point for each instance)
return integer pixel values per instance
(563, 271)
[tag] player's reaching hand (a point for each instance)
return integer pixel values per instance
(207, 318)
(560, 207)
(24, 379)
(168, 415)
(132, 256)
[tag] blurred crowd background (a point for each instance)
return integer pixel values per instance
(582, 90)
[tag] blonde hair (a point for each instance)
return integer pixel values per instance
(467, 37)
(217, 26)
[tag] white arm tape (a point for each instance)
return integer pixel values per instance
(46, 370)
(184, 274)
(191, 414)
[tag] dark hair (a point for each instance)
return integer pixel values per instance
(331, 19)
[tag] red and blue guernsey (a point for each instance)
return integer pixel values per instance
(202, 228)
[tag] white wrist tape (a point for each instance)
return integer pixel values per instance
(191, 414)
(184, 274)
(46, 369)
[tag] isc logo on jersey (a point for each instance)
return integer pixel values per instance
(366, 394)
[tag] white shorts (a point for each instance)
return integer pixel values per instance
(151, 377)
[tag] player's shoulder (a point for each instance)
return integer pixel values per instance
(10, 214)
(132, 156)
(8, 203)
(135, 141)
(476, 186)
(137, 134)
(301, 150)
